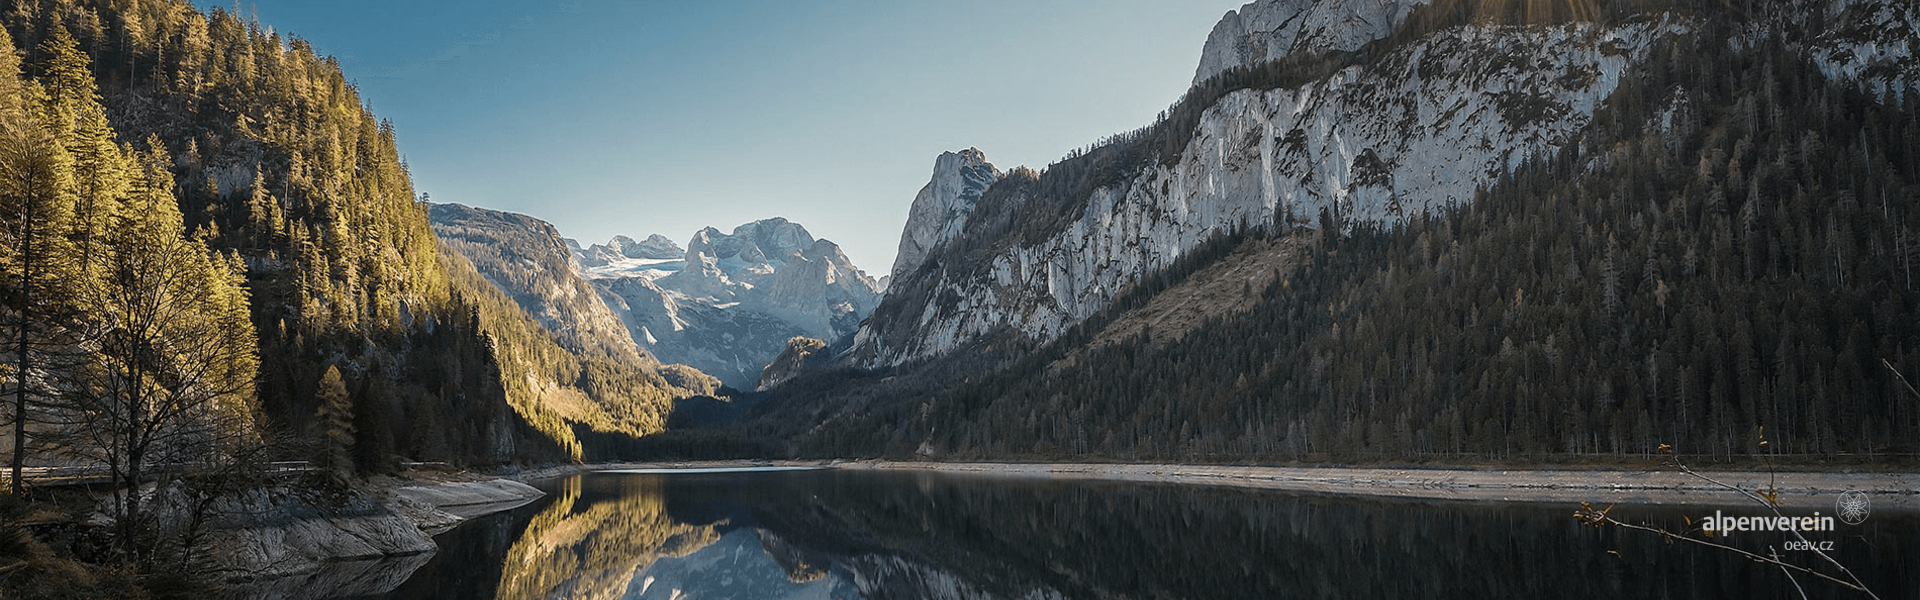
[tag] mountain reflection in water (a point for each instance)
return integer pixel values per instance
(849, 535)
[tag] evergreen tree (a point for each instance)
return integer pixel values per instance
(261, 217)
(178, 359)
(334, 418)
(373, 444)
(36, 202)
(100, 172)
(330, 224)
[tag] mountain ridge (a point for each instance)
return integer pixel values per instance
(526, 258)
(280, 162)
(1375, 144)
(731, 302)
(1268, 30)
(1494, 207)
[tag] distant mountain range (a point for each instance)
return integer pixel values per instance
(622, 256)
(728, 315)
(728, 303)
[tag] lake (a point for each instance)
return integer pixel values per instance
(833, 534)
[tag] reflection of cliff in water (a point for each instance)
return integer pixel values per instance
(739, 565)
(845, 535)
(781, 543)
(940, 536)
(589, 542)
(345, 579)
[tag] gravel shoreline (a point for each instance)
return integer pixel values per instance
(1891, 491)
(1798, 489)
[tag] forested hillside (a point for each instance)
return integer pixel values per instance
(1726, 249)
(284, 172)
(522, 279)
(527, 258)
(126, 339)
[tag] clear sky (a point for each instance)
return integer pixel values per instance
(634, 117)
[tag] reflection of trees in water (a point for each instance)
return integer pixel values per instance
(589, 542)
(1107, 540)
(938, 536)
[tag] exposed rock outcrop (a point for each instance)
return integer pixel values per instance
(801, 355)
(1417, 129)
(466, 499)
(1868, 41)
(283, 532)
(1269, 29)
(657, 246)
(286, 532)
(940, 210)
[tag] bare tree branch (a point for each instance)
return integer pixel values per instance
(1903, 378)
(1600, 518)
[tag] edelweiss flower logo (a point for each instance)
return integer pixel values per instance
(1854, 507)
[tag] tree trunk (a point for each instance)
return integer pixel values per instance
(130, 519)
(23, 358)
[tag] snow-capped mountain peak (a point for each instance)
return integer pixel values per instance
(621, 256)
(728, 302)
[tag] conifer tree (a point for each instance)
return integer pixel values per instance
(259, 215)
(178, 352)
(35, 206)
(334, 417)
(100, 172)
(374, 443)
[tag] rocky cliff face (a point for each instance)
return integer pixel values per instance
(1270, 29)
(731, 301)
(1417, 130)
(801, 355)
(940, 210)
(1380, 135)
(1867, 41)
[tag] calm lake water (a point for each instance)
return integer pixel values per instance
(843, 535)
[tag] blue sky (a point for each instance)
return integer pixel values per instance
(634, 117)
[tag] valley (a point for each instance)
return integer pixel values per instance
(1473, 252)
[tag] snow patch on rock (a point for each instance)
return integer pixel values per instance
(730, 302)
(1870, 42)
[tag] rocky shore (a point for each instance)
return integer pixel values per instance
(1798, 489)
(286, 540)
